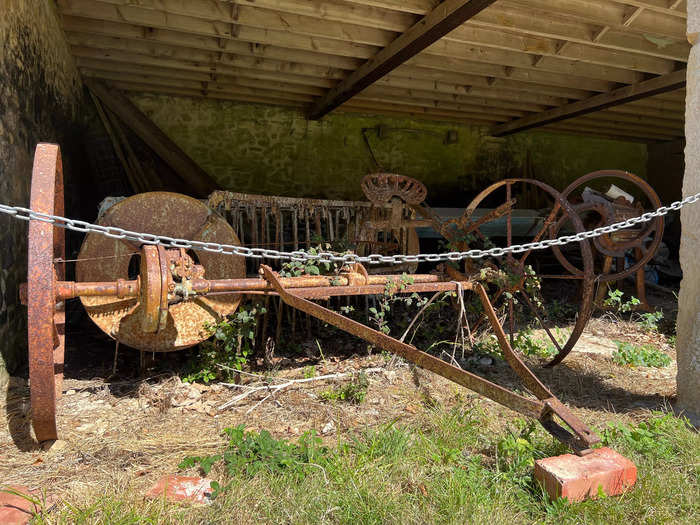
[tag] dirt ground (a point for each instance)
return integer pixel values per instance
(130, 431)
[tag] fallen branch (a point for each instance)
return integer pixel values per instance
(274, 389)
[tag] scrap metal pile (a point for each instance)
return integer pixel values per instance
(159, 298)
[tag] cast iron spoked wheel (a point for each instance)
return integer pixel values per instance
(644, 238)
(511, 205)
(45, 318)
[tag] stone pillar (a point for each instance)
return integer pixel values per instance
(688, 342)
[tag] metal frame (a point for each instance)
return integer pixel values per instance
(158, 288)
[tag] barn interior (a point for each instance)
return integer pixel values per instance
(390, 127)
(276, 114)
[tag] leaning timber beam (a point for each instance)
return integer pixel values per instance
(646, 88)
(444, 18)
(187, 169)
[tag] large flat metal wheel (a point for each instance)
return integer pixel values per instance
(45, 318)
(102, 258)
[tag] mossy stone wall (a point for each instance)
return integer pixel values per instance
(276, 151)
(40, 94)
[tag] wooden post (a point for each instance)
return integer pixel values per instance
(688, 343)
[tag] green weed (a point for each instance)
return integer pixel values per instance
(353, 392)
(615, 302)
(649, 321)
(640, 355)
(249, 453)
(228, 350)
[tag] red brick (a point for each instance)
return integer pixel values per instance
(577, 478)
(16, 510)
(182, 488)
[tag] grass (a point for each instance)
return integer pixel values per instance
(446, 468)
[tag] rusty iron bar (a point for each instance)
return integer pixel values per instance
(327, 285)
(542, 409)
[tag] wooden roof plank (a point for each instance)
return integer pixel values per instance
(302, 50)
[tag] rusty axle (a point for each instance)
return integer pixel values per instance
(309, 286)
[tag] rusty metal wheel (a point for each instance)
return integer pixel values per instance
(45, 318)
(507, 205)
(644, 239)
(104, 259)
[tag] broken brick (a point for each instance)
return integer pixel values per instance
(14, 509)
(577, 478)
(182, 488)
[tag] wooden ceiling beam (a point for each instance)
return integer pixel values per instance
(167, 54)
(436, 24)
(610, 13)
(259, 98)
(181, 69)
(673, 7)
(125, 50)
(341, 21)
(267, 96)
(647, 88)
(132, 72)
(237, 85)
(250, 79)
(603, 13)
(609, 134)
(619, 132)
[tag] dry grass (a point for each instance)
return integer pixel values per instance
(118, 438)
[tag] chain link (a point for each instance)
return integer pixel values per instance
(327, 257)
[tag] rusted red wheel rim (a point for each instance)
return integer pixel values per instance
(563, 206)
(45, 318)
(654, 228)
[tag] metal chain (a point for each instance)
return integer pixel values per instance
(328, 257)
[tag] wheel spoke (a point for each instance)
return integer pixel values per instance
(534, 309)
(538, 237)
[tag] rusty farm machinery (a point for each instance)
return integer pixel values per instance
(157, 296)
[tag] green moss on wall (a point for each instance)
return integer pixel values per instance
(274, 150)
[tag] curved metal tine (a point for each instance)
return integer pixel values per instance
(511, 320)
(509, 228)
(534, 309)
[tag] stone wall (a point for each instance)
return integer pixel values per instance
(40, 92)
(276, 151)
(688, 341)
